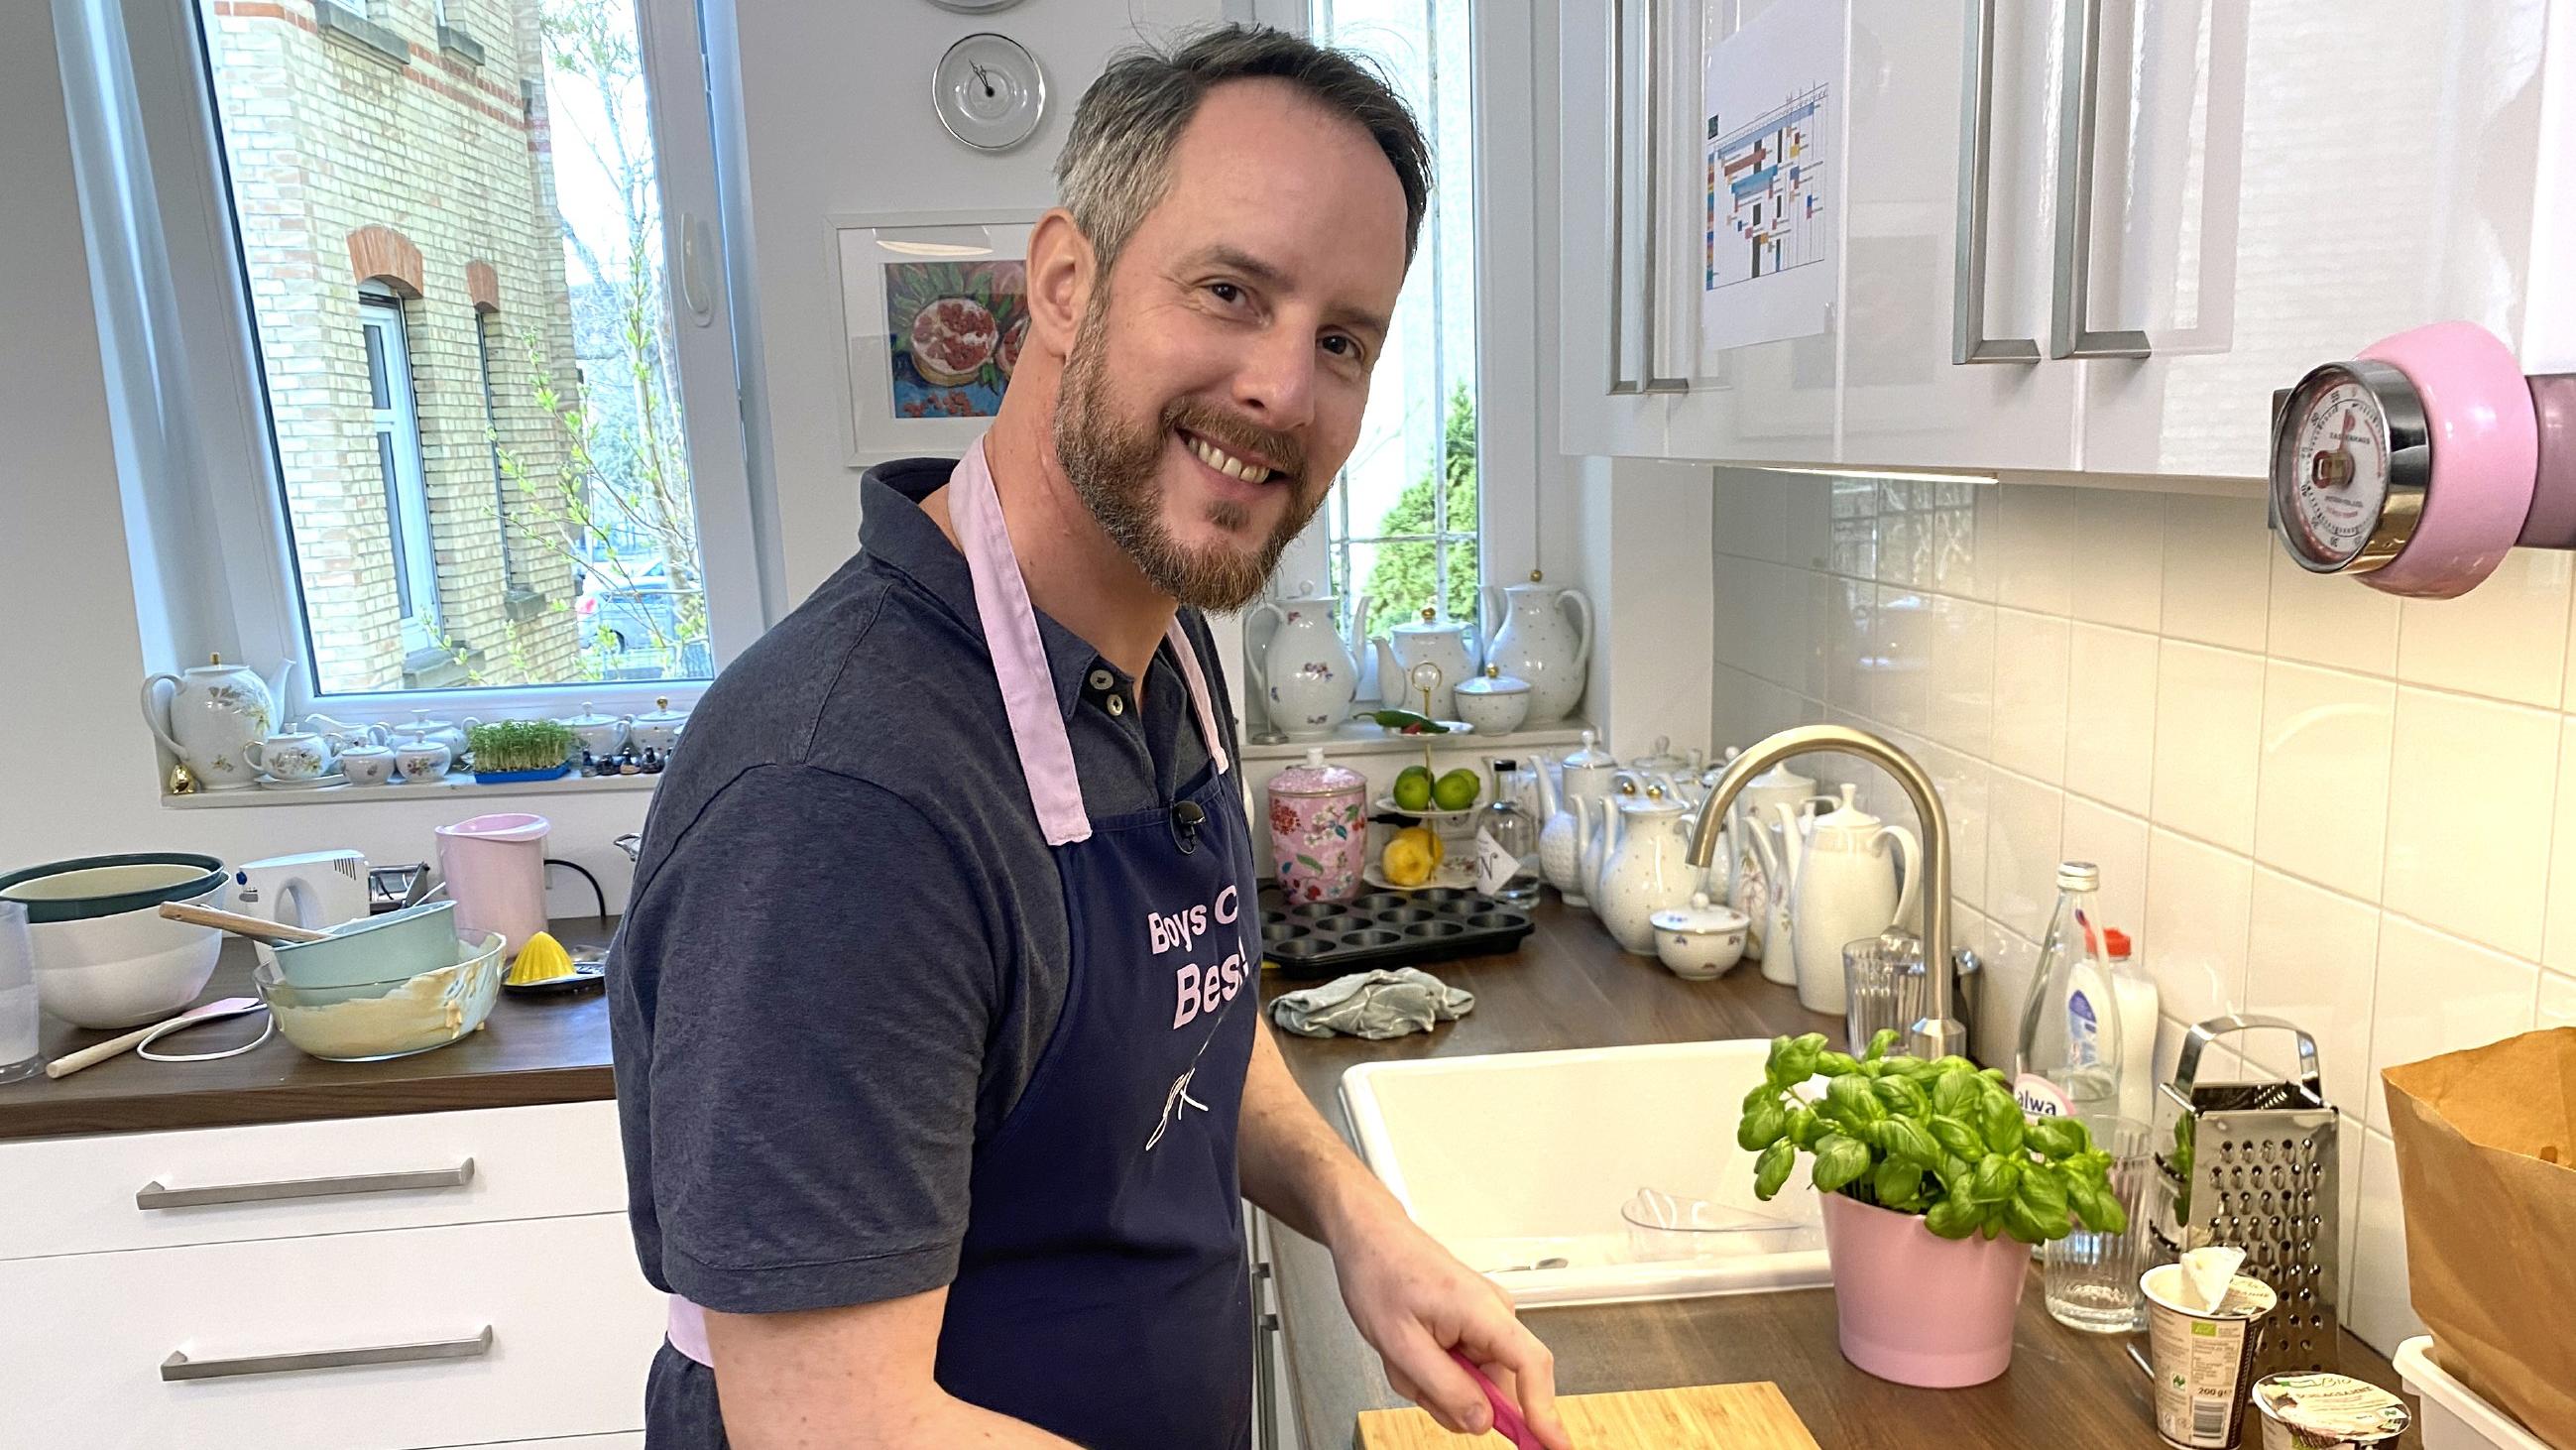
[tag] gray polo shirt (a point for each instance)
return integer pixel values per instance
(846, 945)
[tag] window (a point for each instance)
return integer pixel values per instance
(1406, 528)
(394, 419)
(414, 409)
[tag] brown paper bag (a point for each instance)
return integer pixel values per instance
(2485, 1139)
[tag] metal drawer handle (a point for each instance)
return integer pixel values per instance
(1620, 382)
(153, 1195)
(1968, 340)
(2070, 333)
(179, 1367)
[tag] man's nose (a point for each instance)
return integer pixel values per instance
(1276, 383)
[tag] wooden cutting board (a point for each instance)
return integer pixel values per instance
(1702, 1417)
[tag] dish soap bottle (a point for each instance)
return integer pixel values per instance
(2069, 1062)
(2139, 1009)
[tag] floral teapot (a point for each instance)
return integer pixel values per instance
(214, 713)
(1309, 670)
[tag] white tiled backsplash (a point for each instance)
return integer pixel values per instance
(2307, 798)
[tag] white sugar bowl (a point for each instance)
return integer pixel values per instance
(1494, 702)
(1701, 940)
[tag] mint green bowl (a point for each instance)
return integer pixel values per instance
(391, 947)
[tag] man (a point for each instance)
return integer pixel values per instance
(939, 1052)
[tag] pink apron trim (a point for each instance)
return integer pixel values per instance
(1028, 698)
(1019, 655)
(686, 1326)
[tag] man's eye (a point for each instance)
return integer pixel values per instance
(1342, 345)
(1225, 292)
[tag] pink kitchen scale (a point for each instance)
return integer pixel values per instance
(2417, 465)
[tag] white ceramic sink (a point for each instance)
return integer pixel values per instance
(1521, 1157)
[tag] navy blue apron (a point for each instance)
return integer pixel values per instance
(1101, 1292)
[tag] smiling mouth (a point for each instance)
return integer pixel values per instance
(1242, 469)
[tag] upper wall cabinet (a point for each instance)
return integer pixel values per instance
(2066, 234)
(2277, 186)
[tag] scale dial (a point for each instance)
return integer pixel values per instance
(2350, 463)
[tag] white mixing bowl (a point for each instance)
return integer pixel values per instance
(104, 956)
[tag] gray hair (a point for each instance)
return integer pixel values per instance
(1116, 163)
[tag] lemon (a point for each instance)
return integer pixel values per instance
(1409, 858)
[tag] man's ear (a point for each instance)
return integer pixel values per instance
(1063, 270)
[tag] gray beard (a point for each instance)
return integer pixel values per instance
(1112, 469)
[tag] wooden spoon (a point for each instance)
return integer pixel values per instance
(257, 928)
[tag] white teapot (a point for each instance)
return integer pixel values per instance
(1429, 641)
(1309, 671)
(1843, 888)
(1646, 867)
(1537, 642)
(214, 713)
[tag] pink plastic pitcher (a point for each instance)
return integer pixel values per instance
(495, 869)
(1916, 1308)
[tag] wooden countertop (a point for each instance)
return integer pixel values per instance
(1570, 986)
(531, 1050)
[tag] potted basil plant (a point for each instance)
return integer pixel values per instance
(1934, 1184)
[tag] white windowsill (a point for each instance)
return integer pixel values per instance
(1358, 737)
(453, 788)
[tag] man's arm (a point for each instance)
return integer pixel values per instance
(1412, 1300)
(850, 1379)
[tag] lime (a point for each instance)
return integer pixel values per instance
(1457, 790)
(1413, 789)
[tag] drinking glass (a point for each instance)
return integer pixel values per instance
(2091, 1279)
(18, 1054)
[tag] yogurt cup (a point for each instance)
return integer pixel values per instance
(2202, 1359)
(2327, 1412)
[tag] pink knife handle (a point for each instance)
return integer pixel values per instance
(1507, 1416)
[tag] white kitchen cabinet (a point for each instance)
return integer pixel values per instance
(2300, 181)
(1944, 337)
(477, 1332)
(1613, 402)
(287, 1180)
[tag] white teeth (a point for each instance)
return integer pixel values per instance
(1226, 463)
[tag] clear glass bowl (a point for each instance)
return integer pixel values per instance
(1675, 1226)
(373, 1021)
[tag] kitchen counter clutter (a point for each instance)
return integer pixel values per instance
(1570, 987)
(531, 1051)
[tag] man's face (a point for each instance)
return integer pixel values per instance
(1218, 380)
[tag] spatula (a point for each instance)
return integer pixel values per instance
(1507, 1416)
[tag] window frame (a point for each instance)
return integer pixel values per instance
(214, 566)
(1504, 102)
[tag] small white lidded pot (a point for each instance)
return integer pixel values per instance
(1494, 702)
(368, 764)
(1701, 940)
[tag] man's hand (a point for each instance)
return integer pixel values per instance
(1413, 1301)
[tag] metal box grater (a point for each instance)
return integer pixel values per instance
(2253, 1166)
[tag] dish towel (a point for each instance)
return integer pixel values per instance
(1373, 1004)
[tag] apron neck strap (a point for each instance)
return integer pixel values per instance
(1019, 656)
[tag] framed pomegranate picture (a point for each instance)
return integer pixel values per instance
(935, 309)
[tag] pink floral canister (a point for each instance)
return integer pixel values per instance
(1318, 829)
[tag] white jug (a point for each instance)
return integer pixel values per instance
(1566, 787)
(1308, 672)
(1843, 888)
(1646, 867)
(1538, 643)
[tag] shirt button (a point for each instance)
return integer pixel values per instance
(1117, 704)
(1103, 681)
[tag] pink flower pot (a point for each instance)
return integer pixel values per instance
(1917, 1308)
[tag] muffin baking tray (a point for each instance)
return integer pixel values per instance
(1386, 929)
